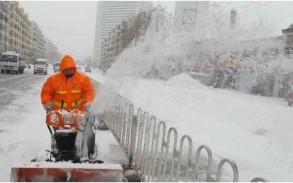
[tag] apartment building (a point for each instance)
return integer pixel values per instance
(38, 41)
(112, 46)
(111, 14)
(50, 51)
(3, 25)
(23, 35)
(18, 29)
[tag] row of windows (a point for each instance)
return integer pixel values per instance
(3, 7)
(124, 5)
(115, 5)
(2, 27)
(107, 9)
(117, 14)
(3, 17)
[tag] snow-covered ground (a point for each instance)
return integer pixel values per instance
(254, 131)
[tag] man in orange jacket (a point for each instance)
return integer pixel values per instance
(68, 89)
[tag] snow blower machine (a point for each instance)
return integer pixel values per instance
(73, 153)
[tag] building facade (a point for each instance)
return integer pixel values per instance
(190, 15)
(18, 30)
(38, 42)
(288, 39)
(19, 34)
(112, 45)
(3, 25)
(51, 52)
(111, 14)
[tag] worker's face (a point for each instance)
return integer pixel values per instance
(68, 72)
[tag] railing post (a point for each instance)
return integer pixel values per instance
(259, 179)
(234, 168)
(196, 164)
(133, 139)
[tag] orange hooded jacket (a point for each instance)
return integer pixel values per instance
(72, 93)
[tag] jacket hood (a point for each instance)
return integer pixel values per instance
(67, 62)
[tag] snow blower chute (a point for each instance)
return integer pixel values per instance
(73, 153)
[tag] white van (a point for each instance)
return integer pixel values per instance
(11, 61)
(41, 66)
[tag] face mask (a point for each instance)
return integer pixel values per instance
(69, 75)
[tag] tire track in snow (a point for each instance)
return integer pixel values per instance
(14, 77)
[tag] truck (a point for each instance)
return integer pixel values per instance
(11, 61)
(41, 66)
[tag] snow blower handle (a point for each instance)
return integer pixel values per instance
(62, 103)
(48, 110)
(50, 130)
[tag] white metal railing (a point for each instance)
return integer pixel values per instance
(155, 156)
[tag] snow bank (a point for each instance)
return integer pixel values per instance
(183, 80)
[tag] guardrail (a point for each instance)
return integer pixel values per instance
(153, 150)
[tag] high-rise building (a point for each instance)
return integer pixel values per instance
(190, 15)
(111, 14)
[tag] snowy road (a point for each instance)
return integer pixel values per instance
(22, 128)
(13, 84)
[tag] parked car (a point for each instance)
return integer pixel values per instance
(88, 69)
(56, 67)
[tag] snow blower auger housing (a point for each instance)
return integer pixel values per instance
(66, 172)
(73, 153)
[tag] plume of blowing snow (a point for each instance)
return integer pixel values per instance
(161, 50)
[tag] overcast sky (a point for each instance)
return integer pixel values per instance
(71, 24)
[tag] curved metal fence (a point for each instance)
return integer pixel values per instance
(153, 150)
